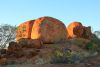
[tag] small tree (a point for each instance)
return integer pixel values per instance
(7, 34)
(97, 33)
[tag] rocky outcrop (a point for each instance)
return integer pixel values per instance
(38, 40)
(71, 28)
(14, 50)
(77, 30)
(49, 30)
(46, 29)
(24, 30)
(30, 43)
(19, 52)
(87, 32)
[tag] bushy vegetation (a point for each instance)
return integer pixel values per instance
(61, 57)
(94, 44)
(7, 34)
(65, 56)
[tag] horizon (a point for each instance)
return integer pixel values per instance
(67, 11)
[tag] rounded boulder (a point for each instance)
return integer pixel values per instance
(75, 29)
(49, 30)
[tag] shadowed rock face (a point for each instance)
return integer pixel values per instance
(77, 30)
(24, 30)
(49, 30)
(87, 32)
(29, 43)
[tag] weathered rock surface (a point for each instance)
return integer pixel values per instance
(49, 30)
(77, 30)
(46, 29)
(14, 50)
(87, 32)
(30, 43)
(18, 52)
(24, 30)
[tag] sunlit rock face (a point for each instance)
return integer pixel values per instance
(77, 30)
(49, 30)
(46, 29)
(24, 30)
(71, 28)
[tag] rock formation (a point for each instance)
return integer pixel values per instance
(38, 39)
(77, 30)
(87, 32)
(71, 30)
(46, 29)
(30, 43)
(49, 30)
(24, 30)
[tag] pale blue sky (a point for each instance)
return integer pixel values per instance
(15, 12)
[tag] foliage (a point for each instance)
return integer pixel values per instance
(7, 34)
(94, 44)
(40, 61)
(64, 57)
(91, 46)
(97, 33)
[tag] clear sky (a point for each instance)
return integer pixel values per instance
(15, 12)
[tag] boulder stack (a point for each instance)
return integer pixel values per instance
(49, 30)
(46, 29)
(77, 30)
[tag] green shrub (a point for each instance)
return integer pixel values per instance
(94, 44)
(91, 46)
(64, 57)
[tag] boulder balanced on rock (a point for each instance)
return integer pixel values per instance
(49, 30)
(71, 28)
(77, 30)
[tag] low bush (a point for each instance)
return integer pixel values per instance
(64, 57)
(94, 44)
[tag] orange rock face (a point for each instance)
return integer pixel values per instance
(49, 30)
(71, 28)
(24, 30)
(77, 30)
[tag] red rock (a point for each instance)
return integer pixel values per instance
(3, 61)
(14, 50)
(71, 28)
(29, 53)
(3, 51)
(24, 30)
(87, 32)
(13, 46)
(49, 30)
(77, 30)
(29, 43)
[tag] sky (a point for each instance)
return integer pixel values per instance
(15, 12)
